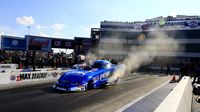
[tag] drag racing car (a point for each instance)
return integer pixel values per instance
(84, 78)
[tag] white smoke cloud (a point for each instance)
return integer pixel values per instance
(146, 53)
(150, 49)
(58, 27)
(25, 20)
(91, 57)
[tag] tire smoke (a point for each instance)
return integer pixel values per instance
(156, 44)
(144, 54)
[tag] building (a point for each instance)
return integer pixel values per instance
(116, 38)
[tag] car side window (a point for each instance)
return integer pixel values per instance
(104, 65)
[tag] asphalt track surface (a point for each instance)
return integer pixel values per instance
(42, 98)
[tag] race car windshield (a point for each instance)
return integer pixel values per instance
(97, 65)
(81, 66)
(76, 67)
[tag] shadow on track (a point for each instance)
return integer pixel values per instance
(51, 90)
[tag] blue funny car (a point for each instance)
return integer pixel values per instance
(83, 78)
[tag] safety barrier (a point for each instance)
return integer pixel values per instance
(29, 70)
(179, 99)
(18, 77)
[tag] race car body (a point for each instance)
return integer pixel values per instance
(81, 79)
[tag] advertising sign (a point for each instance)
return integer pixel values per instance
(57, 43)
(83, 45)
(193, 24)
(145, 27)
(28, 76)
(162, 22)
(44, 42)
(62, 43)
(13, 43)
(69, 44)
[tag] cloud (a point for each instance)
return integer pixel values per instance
(58, 34)
(174, 13)
(25, 20)
(58, 27)
(43, 34)
(63, 15)
(87, 29)
(39, 27)
(54, 35)
(7, 31)
(1, 32)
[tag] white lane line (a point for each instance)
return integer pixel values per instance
(141, 97)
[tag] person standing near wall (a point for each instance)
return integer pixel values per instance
(168, 71)
(196, 78)
(181, 71)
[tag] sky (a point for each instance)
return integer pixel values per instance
(74, 18)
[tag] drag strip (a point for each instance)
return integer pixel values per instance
(42, 98)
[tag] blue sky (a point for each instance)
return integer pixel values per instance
(69, 18)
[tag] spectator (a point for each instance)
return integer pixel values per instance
(161, 69)
(41, 62)
(168, 71)
(197, 75)
(181, 71)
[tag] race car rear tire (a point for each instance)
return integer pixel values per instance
(90, 84)
(103, 85)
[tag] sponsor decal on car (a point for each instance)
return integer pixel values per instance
(95, 79)
(105, 75)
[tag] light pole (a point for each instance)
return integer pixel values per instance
(28, 52)
(29, 27)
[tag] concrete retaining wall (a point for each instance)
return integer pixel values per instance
(179, 99)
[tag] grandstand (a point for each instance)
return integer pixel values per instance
(116, 38)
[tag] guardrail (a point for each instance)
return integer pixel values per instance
(179, 99)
